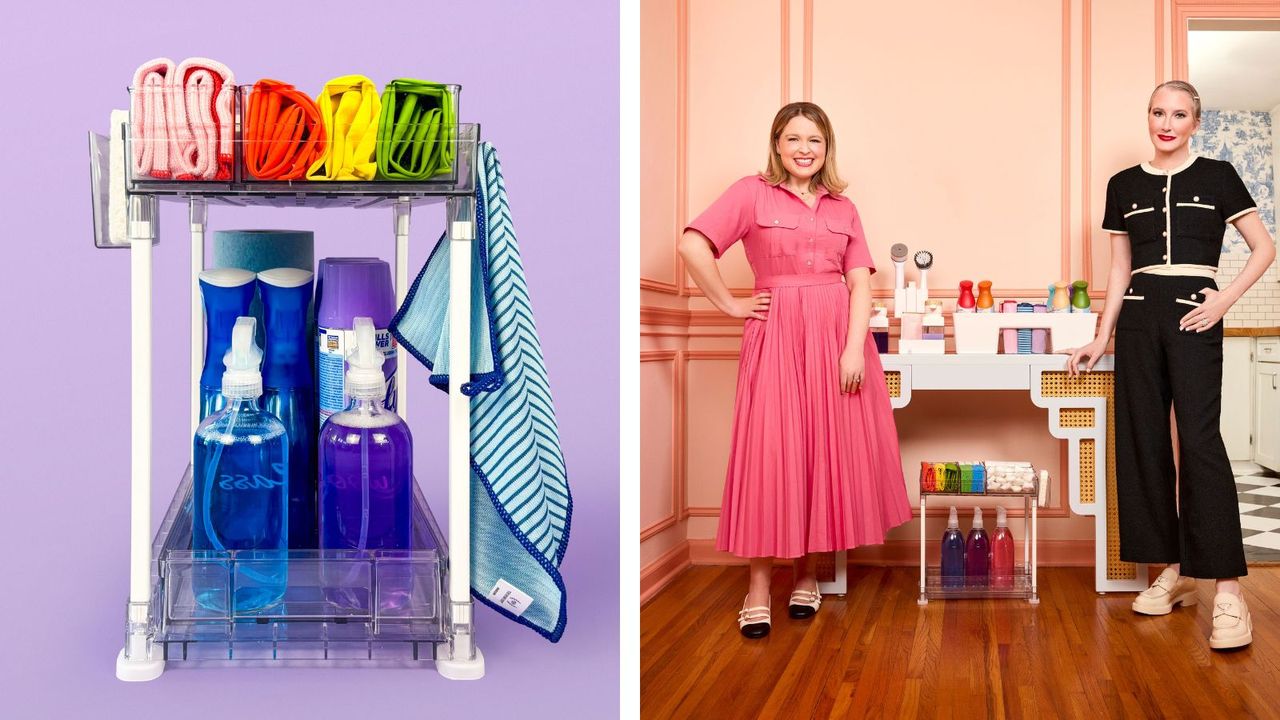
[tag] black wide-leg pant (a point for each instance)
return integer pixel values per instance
(1157, 364)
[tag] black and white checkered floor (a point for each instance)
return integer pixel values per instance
(1259, 494)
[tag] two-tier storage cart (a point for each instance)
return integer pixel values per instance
(415, 605)
(1022, 584)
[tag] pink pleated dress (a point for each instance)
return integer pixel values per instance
(810, 469)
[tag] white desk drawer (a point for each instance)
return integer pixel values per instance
(1268, 349)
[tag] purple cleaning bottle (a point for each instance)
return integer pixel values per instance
(366, 480)
(977, 553)
(953, 553)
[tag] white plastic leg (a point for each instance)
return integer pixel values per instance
(465, 661)
(139, 670)
(140, 659)
(840, 584)
(462, 669)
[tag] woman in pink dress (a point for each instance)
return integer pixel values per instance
(813, 461)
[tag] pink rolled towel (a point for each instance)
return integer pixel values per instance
(149, 119)
(203, 98)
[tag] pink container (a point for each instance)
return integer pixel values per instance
(1010, 335)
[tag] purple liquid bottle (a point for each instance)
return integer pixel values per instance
(977, 554)
(366, 484)
(953, 553)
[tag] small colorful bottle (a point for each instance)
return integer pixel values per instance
(965, 302)
(977, 553)
(1009, 336)
(879, 326)
(1002, 552)
(1080, 296)
(1061, 299)
(953, 569)
(1039, 335)
(933, 324)
(985, 302)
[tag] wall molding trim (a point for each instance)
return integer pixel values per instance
(677, 435)
(658, 574)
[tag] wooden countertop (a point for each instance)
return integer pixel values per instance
(1250, 331)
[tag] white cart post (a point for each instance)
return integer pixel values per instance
(465, 661)
(140, 659)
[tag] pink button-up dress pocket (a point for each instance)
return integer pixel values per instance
(779, 233)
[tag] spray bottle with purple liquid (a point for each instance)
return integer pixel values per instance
(366, 474)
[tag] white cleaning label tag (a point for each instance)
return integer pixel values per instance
(509, 596)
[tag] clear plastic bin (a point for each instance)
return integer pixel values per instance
(381, 607)
(172, 138)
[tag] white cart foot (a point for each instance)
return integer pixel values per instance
(140, 670)
(462, 669)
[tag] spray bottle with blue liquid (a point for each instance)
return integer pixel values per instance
(241, 486)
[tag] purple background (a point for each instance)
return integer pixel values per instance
(542, 80)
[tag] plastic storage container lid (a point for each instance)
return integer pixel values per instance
(351, 287)
(285, 277)
(226, 277)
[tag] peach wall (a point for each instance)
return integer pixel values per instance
(957, 149)
(660, 88)
(984, 132)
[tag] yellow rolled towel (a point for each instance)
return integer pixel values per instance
(350, 108)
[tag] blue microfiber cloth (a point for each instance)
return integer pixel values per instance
(520, 500)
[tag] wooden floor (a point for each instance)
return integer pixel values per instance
(876, 653)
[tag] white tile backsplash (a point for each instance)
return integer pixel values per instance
(1260, 307)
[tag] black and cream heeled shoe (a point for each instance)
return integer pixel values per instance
(753, 622)
(804, 604)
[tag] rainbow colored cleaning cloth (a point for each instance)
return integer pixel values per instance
(283, 132)
(416, 131)
(349, 107)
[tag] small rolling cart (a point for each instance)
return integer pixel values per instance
(415, 606)
(1022, 584)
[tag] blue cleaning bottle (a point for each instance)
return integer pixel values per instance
(227, 293)
(366, 476)
(289, 389)
(953, 552)
(241, 486)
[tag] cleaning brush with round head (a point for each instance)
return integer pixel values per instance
(898, 253)
(924, 261)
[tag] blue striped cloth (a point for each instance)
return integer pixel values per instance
(520, 500)
(1024, 334)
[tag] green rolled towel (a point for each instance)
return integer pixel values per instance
(416, 130)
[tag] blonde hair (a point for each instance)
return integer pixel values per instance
(827, 177)
(1181, 86)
